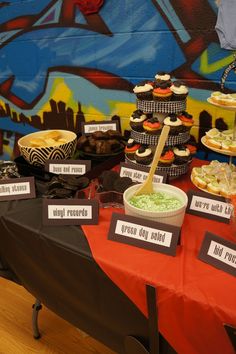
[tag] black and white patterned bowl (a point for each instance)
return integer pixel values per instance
(37, 156)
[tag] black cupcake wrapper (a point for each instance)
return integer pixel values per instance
(162, 107)
(149, 139)
(172, 171)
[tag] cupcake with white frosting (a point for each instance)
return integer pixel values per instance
(162, 76)
(137, 119)
(143, 90)
(179, 91)
(182, 155)
(174, 123)
(143, 155)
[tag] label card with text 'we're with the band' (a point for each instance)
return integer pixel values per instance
(17, 188)
(68, 167)
(219, 253)
(140, 173)
(208, 206)
(70, 212)
(143, 233)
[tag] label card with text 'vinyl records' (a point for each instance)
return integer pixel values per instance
(91, 127)
(143, 233)
(17, 188)
(219, 253)
(208, 206)
(70, 212)
(68, 167)
(140, 173)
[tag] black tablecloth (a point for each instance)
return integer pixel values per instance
(55, 264)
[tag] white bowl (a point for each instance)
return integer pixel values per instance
(55, 150)
(173, 217)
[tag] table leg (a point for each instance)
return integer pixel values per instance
(151, 295)
(36, 308)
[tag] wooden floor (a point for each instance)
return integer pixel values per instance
(58, 336)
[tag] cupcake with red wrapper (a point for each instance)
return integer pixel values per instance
(179, 91)
(143, 90)
(136, 120)
(131, 148)
(152, 126)
(174, 123)
(144, 155)
(187, 121)
(167, 157)
(162, 92)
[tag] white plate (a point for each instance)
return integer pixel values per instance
(202, 189)
(229, 108)
(220, 151)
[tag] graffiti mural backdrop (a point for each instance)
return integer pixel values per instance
(63, 61)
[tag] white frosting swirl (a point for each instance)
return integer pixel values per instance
(144, 88)
(177, 123)
(182, 89)
(130, 141)
(141, 118)
(182, 153)
(146, 153)
(164, 77)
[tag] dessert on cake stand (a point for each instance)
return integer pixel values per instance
(161, 109)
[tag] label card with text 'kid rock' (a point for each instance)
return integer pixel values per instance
(208, 206)
(91, 127)
(68, 167)
(143, 233)
(70, 212)
(219, 253)
(140, 173)
(17, 188)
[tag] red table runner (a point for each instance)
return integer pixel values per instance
(194, 298)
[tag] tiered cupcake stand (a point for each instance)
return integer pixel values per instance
(161, 109)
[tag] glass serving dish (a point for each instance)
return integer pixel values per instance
(110, 199)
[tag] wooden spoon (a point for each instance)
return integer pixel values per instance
(147, 187)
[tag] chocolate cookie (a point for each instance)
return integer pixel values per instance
(122, 183)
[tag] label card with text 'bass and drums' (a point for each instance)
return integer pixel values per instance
(143, 233)
(91, 127)
(219, 253)
(17, 188)
(209, 206)
(140, 173)
(68, 167)
(70, 212)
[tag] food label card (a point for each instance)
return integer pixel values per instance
(143, 233)
(219, 253)
(91, 127)
(17, 188)
(70, 212)
(68, 167)
(208, 206)
(140, 173)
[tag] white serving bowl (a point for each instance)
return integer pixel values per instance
(55, 150)
(174, 217)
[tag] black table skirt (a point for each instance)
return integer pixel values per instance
(55, 264)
